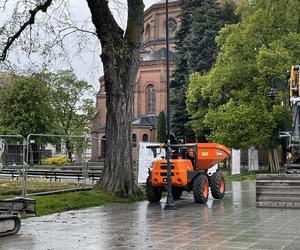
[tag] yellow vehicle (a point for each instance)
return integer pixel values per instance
(282, 189)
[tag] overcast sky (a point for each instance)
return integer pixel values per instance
(87, 65)
(85, 71)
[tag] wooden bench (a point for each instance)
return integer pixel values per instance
(77, 172)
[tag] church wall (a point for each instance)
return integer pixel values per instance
(147, 77)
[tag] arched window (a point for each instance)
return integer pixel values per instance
(145, 137)
(133, 140)
(150, 99)
(148, 32)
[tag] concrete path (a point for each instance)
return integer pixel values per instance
(231, 223)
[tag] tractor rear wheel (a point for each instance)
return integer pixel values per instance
(201, 189)
(217, 185)
(153, 193)
(176, 193)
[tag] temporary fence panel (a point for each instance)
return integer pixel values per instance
(13, 161)
(59, 158)
(252, 159)
(146, 157)
(236, 162)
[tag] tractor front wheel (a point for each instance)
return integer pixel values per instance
(217, 185)
(201, 189)
(153, 193)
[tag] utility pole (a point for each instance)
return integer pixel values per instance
(169, 204)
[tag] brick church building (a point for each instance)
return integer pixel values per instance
(150, 93)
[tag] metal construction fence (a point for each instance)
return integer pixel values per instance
(41, 157)
(12, 152)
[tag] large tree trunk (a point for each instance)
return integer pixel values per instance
(120, 57)
(119, 75)
(117, 175)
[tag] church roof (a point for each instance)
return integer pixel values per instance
(145, 121)
(159, 55)
(170, 1)
(161, 3)
(164, 2)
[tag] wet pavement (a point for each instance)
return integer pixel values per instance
(231, 223)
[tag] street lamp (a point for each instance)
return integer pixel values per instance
(280, 82)
(169, 204)
(272, 95)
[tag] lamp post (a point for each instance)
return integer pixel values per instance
(169, 204)
(272, 95)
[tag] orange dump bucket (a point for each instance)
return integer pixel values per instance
(209, 154)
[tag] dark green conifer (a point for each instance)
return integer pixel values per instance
(196, 49)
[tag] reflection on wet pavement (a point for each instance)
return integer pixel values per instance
(231, 223)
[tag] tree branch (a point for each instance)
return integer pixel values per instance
(75, 29)
(105, 23)
(42, 7)
(60, 37)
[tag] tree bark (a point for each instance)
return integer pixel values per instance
(120, 57)
(274, 160)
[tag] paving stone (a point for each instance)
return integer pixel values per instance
(231, 223)
(234, 244)
(270, 244)
(292, 246)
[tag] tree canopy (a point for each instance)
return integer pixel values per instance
(196, 52)
(46, 104)
(25, 108)
(71, 100)
(255, 55)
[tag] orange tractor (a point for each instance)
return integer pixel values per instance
(189, 171)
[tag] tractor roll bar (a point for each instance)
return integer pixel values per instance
(179, 146)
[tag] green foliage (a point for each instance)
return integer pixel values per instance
(25, 107)
(68, 97)
(235, 124)
(161, 127)
(198, 104)
(255, 55)
(46, 104)
(196, 52)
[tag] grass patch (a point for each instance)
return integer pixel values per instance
(14, 187)
(241, 177)
(245, 174)
(74, 200)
